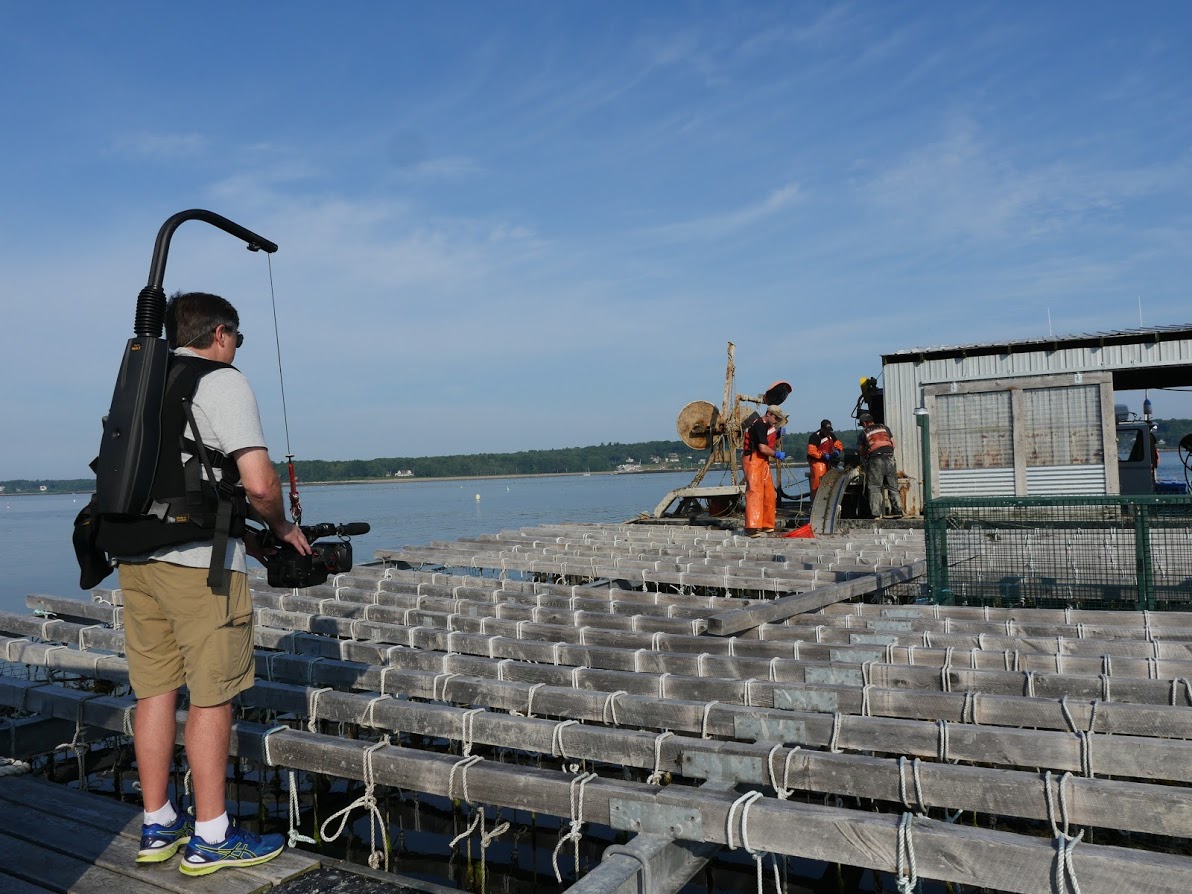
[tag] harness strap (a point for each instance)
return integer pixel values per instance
(217, 574)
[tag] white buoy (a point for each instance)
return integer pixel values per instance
(477, 498)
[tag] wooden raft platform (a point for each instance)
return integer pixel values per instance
(720, 694)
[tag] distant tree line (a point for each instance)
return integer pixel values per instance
(600, 458)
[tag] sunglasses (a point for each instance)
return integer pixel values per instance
(239, 335)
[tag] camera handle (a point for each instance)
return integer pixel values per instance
(313, 532)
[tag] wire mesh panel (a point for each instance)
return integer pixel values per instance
(1103, 552)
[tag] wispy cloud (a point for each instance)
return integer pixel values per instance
(965, 187)
(713, 226)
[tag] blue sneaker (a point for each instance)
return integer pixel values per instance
(159, 843)
(240, 848)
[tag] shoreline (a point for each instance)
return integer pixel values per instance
(414, 480)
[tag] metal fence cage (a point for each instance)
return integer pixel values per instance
(1093, 552)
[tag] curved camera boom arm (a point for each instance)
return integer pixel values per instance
(151, 303)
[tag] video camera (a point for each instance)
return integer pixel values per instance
(288, 568)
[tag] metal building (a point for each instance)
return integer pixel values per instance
(1023, 417)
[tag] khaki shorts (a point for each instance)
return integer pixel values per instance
(177, 631)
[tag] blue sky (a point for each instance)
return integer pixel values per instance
(506, 226)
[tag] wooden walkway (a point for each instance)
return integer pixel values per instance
(58, 839)
(721, 694)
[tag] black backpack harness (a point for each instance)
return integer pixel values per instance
(185, 506)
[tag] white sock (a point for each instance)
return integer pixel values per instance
(162, 816)
(213, 831)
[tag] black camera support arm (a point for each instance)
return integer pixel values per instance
(151, 303)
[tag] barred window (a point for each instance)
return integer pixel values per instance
(1062, 426)
(974, 431)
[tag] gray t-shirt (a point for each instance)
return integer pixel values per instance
(226, 412)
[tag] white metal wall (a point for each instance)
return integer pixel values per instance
(904, 374)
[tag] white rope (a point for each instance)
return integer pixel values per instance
(295, 837)
(369, 802)
(655, 778)
(8, 649)
(749, 691)
(310, 669)
(833, 743)
(312, 705)
(369, 718)
(610, 707)
(265, 743)
(745, 802)
(501, 667)
(662, 685)
(467, 725)
(556, 738)
(919, 802)
(1175, 689)
(1065, 844)
(906, 867)
(943, 739)
(82, 630)
(704, 734)
(783, 791)
(574, 832)
(968, 711)
(530, 699)
(440, 694)
(486, 838)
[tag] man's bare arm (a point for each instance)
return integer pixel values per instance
(264, 493)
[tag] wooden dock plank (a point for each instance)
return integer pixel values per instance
(107, 832)
(10, 884)
(735, 621)
(64, 873)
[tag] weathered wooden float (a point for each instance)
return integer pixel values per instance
(690, 696)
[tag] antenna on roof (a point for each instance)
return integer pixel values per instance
(1140, 323)
(1050, 333)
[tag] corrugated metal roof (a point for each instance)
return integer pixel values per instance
(1048, 343)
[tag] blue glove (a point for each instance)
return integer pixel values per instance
(830, 456)
(779, 455)
(782, 431)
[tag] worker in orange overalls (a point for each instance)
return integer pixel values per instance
(823, 449)
(761, 444)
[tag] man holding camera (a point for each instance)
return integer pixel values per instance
(179, 629)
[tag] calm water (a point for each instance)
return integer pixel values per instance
(36, 554)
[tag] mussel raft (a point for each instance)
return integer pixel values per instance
(618, 707)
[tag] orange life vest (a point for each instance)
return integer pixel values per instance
(878, 440)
